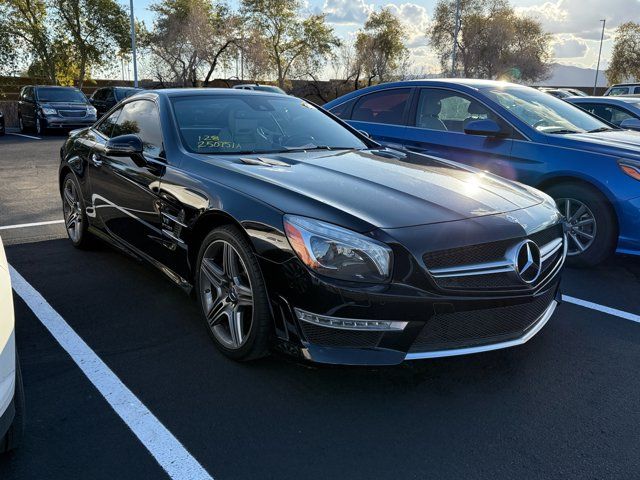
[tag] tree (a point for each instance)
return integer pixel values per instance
(190, 39)
(293, 45)
(380, 47)
(625, 61)
(493, 42)
(26, 23)
(95, 29)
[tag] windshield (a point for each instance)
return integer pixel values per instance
(69, 95)
(542, 111)
(257, 124)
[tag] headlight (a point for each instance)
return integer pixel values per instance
(337, 252)
(630, 167)
(48, 111)
(91, 110)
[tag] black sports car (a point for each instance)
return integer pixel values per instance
(300, 233)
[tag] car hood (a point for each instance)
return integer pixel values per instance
(611, 142)
(387, 192)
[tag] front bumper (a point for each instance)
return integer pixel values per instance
(293, 288)
(629, 226)
(55, 121)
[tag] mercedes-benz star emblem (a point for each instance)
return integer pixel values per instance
(527, 261)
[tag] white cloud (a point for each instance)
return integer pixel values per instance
(569, 47)
(346, 11)
(416, 20)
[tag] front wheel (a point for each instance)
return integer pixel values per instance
(14, 435)
(75, 218)
(592, 232)
(41, 127)
(232, 295)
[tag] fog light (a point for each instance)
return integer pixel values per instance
(349, 323)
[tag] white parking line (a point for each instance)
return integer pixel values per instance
(23, 135)
(35, 224)
(601, 308)
(172, 456)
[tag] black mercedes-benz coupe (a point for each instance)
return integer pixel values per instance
(297, 232)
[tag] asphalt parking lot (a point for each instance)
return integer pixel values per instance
(564, 405)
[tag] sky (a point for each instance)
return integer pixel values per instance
(575, 24)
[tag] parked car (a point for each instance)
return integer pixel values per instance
(557, 92)
(103, 99)
(623, 112)
(2, 124)
(575, 92)
(44, 107)
(11, 389)
(591, 168)
(260, 88)
(623, 89)
(297, 231)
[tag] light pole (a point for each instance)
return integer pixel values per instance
(595, 84)
(455, 39)
(133, 46)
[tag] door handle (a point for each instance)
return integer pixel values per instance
(95, 159)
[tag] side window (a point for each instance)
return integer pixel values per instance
(343, 110)
(98, 94)
(141, 118)
(106, 126)
(636, 90)
(108, 95)
(386, 106)
(448, 111)
(609, 113)
(619, 91)
(27, 94)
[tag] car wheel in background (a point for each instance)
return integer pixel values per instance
(232, 295)
(592, 230)
(73, 209)
(23, 129)
(41, 129)
(13, 436)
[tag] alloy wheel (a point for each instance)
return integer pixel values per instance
(72, 211)
(38, 126)
(227, 295)
(581, 222)
(21, 124)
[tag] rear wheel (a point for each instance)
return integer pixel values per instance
(592, 233)
(232, 295)
(75, 218)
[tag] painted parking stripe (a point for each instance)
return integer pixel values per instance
(172, 456)
(601, 308)
(35, 224)
(23, 135)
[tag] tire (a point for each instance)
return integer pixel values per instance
(216, 292)
(40, 127)
(23, 129)
(14, 435)
(604, 229)
(77, 230)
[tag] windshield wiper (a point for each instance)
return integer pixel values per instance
(562, 132)
(315, 147)
(601, 129)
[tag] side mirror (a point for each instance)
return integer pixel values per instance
(366, 134)
(487, 128)
(630, 124)
(124, 146)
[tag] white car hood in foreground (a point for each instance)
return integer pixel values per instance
(7, 336)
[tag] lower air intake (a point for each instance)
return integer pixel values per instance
(333, 337)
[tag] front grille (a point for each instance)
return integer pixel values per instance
(334, 337)
(487, 253)
(72, 113)
(445, 331)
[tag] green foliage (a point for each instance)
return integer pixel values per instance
(292, 46)
(625, 61)
(493, 42)
(380, 45)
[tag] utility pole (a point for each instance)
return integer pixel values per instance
(455, 40)
(133, 46)
(595, 84)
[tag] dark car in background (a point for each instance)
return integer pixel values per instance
(296, 230)
(621, 111)
(103, 99)
(591, 168)
(43, 107)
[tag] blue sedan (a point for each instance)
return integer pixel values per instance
(590, 168)
(623, 112)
